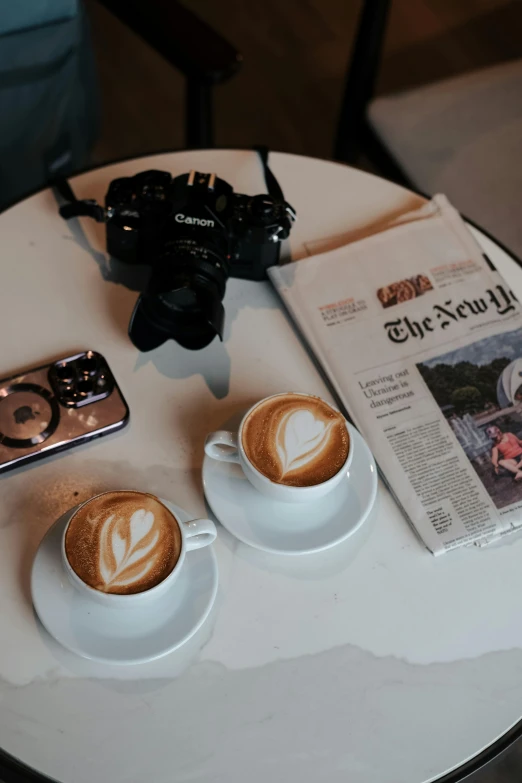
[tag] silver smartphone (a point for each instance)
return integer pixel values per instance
(58, 406)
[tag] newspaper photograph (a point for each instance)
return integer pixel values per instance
(422, 342)
(479, 391)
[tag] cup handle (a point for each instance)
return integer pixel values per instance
(199, 533)
(222, 445)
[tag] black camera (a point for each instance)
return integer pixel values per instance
(194, 232)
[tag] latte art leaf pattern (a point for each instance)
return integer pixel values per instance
(295, 439)
(123, 542)
(300, 438)
(127, 549)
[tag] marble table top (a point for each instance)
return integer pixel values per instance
(371, 662)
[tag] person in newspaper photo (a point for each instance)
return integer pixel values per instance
(507, 452)
(479, 390)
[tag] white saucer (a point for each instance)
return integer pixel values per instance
(130, 635)
(292, 528)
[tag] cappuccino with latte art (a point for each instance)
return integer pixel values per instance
(123, 542)
(292, 447)
(295, 439)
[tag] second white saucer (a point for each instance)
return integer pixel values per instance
(292, 528)
(122, 636)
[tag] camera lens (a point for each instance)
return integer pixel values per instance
(68, 394)
(181, 299)
(64, 373)
(85, 387)
(88, 365)
(184, 299)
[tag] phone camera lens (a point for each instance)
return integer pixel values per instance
(85, 387)
(68, 394)
(88, 365)
(64, 373)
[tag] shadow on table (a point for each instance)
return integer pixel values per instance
(173, 361)
(133, 276)
(212, 363)
(170, 359)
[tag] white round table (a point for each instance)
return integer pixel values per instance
(374, 662)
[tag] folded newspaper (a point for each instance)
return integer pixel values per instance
(422, 340)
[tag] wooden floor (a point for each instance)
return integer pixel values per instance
(288, 91)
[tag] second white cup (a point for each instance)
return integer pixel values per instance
(227, 446)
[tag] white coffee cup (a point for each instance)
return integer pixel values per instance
(228, 447)
(195, 534)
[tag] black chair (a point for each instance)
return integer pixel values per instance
(354, 133)
(461, 136)
(190, 45)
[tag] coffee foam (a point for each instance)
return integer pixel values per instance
(296, 440)
(123, 542)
